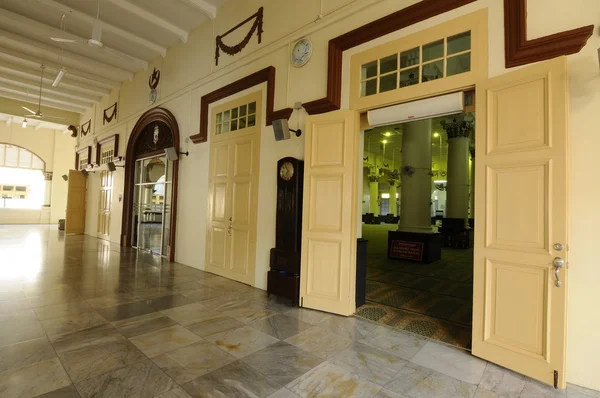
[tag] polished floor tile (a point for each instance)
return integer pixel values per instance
(26, 353)
(349, 327)
(125, 311)
(191, 313)
(535, 389)
(71, 323)
(280, 326)
(214, 325)
(64, 309)
(192, 361)
(308, 316)
(175, 393)
(249, 313)
(164, 340)
(95, 335)
(452, 362)
(574, 391)
(320, 342)
(402, 344)
(283, 393)
(140, 380)
(234, 380)
(166, 302)
(242, 341)
(110, 300)
(502, 381)
(20, 328)
(35, 379)
(65, 392)
(203, 294)
(282, 362)
(138, 325)
(329, 380)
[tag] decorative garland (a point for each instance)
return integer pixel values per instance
(106, 118)
(86, 127)
(232, 50)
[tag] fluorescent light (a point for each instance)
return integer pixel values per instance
(58, 78)
(385, 196)
(384, 142)
(440, 181)
(436, 135)
(388, 134)
(24, 125)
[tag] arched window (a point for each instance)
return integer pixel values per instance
(22, 184)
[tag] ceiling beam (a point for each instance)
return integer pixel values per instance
(33, 97)
(207, 8)
(152, 18)
(33, 85)
(53, 67)
(66, 82)
(39, 126)
(43, 32)
(9, 121)
(69, 59)
(128, 36)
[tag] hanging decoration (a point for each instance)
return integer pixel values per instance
(73, 130)
(86, 127)
(232, 50)
(105, 117)
(153, 83)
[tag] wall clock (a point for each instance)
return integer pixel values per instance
(286, 171)
(301, 52)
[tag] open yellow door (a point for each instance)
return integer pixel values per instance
(75, 219)
(520, 285)
(328, 270)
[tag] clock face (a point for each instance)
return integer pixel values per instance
(301, 52)
(286, 172)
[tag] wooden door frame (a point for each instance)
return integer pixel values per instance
(151, 116)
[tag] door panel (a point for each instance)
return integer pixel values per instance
(328, 271)
(76, 192)
(519, 312)
(106, 186)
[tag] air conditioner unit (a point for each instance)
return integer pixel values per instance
(417, 110)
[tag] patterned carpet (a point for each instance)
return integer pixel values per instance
(434, 300)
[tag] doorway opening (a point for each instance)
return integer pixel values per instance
(417, 220)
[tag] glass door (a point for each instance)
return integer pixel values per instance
(151, 216)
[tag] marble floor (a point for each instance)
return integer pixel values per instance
(81, 318)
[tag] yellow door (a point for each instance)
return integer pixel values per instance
(75, 218)
(328, 270)
(233, 189)
(520, 291)
(106, 186)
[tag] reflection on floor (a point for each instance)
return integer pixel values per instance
(433, 300)
(149, 238)
(81, 317)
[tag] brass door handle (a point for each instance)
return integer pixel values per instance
(558, 263)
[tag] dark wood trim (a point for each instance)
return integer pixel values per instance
(264, 75)
(87, 149)
(390, 23)
(106, 140)
(520, 51)
(151, 116)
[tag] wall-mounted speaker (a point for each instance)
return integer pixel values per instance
(282, 130)
(171, 154)
(65, 177)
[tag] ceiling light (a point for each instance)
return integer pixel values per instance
(388, 134)
(24, 125)
(440, 181)
(384, 142)
(436, 135)
(59, 77)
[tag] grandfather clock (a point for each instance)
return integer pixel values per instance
(284, 276)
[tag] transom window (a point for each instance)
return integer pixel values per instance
(237, 118)
(107, 155)
(83, 162)
(14, 156)
(445, 57)
(13, 191)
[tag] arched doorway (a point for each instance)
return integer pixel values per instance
(155, 131)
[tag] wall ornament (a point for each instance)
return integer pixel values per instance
(106, 117)
(86, 127)
(257, 26)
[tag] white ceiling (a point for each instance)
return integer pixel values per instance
(141, 29)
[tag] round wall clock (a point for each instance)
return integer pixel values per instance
(301, 52)
(286, 172)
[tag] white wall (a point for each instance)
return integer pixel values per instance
(188, 72)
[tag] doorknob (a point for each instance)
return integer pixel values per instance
(558, 263)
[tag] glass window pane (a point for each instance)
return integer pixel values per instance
(252, 107)
(37, 163)
(234, 113)
(219, 117)
(225, 127)
(251, 120)
(409, 57)
(219, 129)
(433, 70)
(458, 64)
(409, 77)
(459, 43)
(242, 123)
(226, 116)
(368, 88)
(24, 159)
(368, 70)
(243, 110)
(388, 82)
(388, 64)
(12, 156)
(234, 124)
(433, 50)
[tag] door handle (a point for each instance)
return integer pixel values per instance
(558, 263)
(230, 226)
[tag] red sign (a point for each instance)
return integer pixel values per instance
(407, 250)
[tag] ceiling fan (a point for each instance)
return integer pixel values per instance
(39, 113)
(95, 41)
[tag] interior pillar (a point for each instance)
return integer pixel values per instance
(374, 195)
(472, 185)
(416, 177)
(393, 191)
(457, 191)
